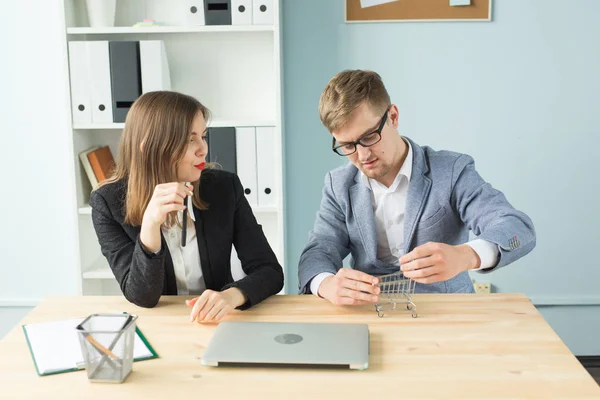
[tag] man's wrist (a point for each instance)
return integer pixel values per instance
(315, 282)
(488, 253)
(472, 260)
(323, 282)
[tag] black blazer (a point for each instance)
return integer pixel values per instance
(145, 276)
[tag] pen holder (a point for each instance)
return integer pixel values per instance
(107, 346)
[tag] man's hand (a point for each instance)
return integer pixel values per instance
(350, 287)
(437, 262)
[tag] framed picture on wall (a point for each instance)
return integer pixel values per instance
(418, 10)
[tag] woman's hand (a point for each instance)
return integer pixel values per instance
(167, 198)
(212, 306)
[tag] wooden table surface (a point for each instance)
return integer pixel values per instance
(462, 346)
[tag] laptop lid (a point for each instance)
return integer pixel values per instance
(287, 343)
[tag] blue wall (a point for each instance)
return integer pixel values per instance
(520, 94)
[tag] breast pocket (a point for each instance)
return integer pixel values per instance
(430, 220)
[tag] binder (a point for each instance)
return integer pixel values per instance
(221, 148)
(193, 12)
(99, 65)
(55, 348)
(246, 162)
(217, 12)
(262, 12)
(241, 12)
(168, 12)
(266, 166)
(81, 95)
(154, 66)
(126, 83)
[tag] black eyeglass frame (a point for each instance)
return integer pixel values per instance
(377, 131)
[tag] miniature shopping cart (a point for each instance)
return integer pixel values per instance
(395, 290)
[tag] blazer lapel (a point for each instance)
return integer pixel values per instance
(362, 208)
(203, 248)
(418, 190)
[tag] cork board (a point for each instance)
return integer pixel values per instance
(418, 10)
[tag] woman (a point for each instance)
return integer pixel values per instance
(137, 215)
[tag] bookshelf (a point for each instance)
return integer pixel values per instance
(214, 124)
(169, 29)
(234, 70)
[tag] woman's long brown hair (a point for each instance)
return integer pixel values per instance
(156, 135)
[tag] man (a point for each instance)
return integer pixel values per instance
(398, 205)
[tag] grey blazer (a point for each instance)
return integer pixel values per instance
(446, 199)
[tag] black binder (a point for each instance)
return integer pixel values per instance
(221, 148)
(125, 76)
(217, 12)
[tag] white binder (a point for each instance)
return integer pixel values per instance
(193, 12)
(266, 166)
(262, 12)
(245, 139)
(81, 95)
(241, 12)
(99, 66)
(154, 66)
(173, 12)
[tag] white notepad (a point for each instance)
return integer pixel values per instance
(55, 346)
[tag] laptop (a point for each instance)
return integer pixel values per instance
(289, 344)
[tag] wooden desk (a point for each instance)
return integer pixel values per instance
(461, 346)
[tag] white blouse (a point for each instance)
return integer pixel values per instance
(186, 260)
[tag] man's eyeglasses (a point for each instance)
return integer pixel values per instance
(366, 140)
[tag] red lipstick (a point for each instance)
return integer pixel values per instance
(200, 166)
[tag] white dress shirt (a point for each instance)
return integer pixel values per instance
(389, 204)
(186, 260)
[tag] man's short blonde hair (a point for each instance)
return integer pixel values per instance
(346, 92)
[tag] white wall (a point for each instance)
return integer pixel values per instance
(38, 239)
(10, 316)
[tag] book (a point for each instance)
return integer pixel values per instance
(55, 347)
(102, 162)
(87, 167)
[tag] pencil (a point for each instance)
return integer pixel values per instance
(99, 346)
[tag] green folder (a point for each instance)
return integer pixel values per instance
(55, 347)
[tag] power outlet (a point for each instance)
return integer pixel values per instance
(482, 287)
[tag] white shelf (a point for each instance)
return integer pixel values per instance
(99, 270)
(218, 123)
(116, 125)
(170, 29)
(87, 210)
